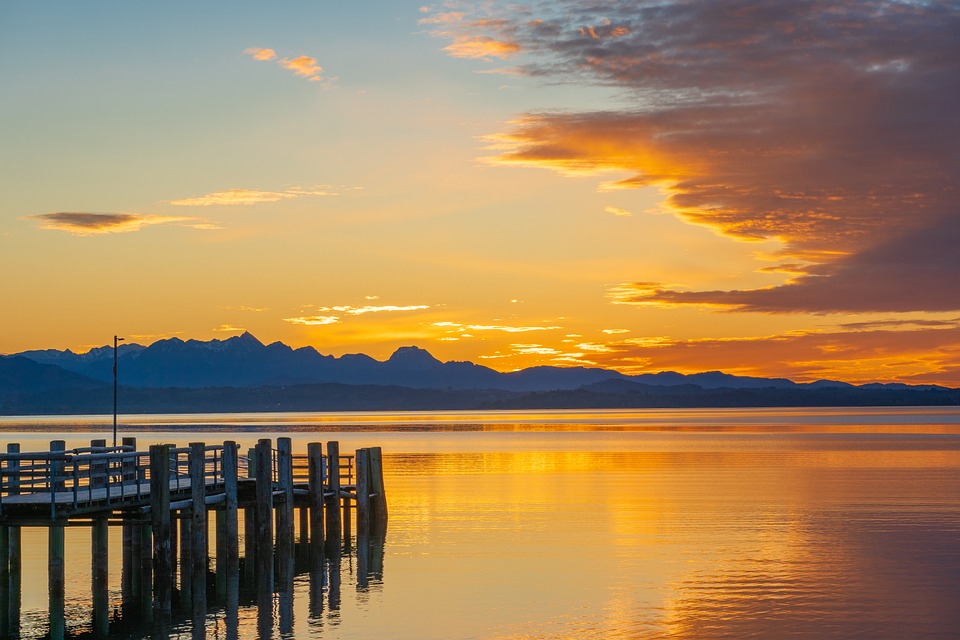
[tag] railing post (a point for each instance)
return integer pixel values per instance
(128, 465)
(98, 468)
(57, 467)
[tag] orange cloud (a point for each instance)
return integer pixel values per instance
(264, 55)
(914, 352)
(83, 224)
(466, 43)
(304, 66)
(833, 137)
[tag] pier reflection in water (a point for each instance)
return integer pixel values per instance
(222, 600)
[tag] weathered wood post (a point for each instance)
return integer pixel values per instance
(285, 568)
(128, 475)
(264, 508)
(186, 557)
(285, 482)
(333, 497)
(100, 557)
(379, 501)
(198, 524)
(98, 468)
(13, 546)
(250, 526)
(58, 481)
(56, 582)
(231, 522)
(160, 525)
(55, 550)
(315, 498)
(4, 581)
(347, 507)
(146, 570)
(362, 468)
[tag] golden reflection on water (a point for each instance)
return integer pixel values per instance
(806, 541)
(725, 527)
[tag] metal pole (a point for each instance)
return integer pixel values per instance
(115, 341)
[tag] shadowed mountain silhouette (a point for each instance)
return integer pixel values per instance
(243, 361)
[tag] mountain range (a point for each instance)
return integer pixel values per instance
(174, 374)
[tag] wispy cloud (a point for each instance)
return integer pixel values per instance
(252, 196)
(84, 223)
(359, 311)
(617, 211)
(228, 328)
(828, 127)
(334, 315)
(494, 327)
(304, 66)
(313, 320)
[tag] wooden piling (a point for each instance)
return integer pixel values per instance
(186, 557)
(100, 576)
(13, 548)
(4, 581)
(315, 497)
(230, 484)
(55, 579)
(146, 570)
(250, 526)
(198, 510)
(160, 525)
(129, 562)
(264, 509)
(362, 461)
(333, 499)
(379, 501)
(285, 484)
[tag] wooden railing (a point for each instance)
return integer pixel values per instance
(89, 475)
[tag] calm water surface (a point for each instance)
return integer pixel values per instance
(831, 523)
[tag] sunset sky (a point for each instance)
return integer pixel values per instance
(762, 188)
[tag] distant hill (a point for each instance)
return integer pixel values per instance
(243, 374)
(19, 375)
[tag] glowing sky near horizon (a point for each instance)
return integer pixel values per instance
(763, 188)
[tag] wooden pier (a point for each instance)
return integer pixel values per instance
(163, 499)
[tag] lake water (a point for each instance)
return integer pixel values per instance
(767, 523)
